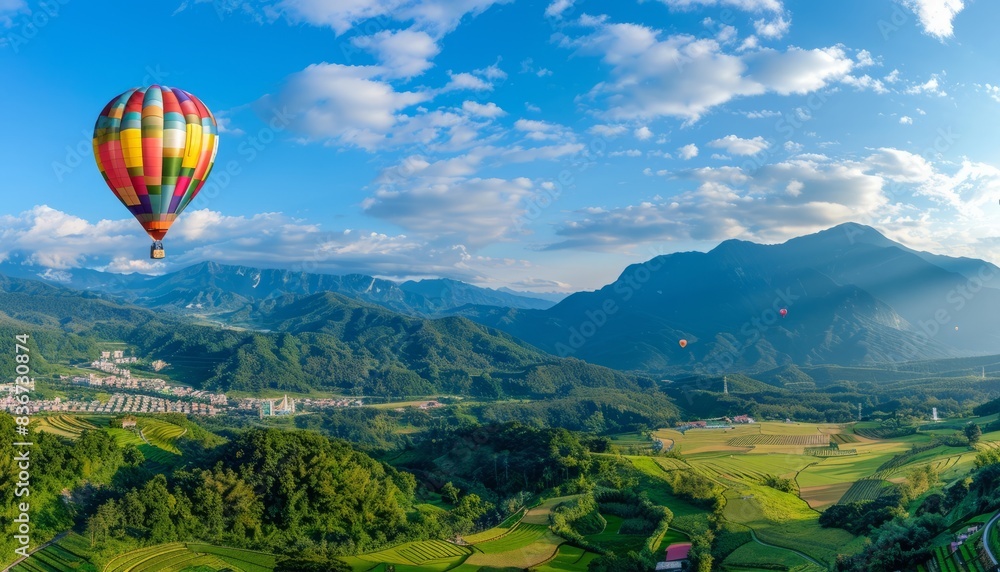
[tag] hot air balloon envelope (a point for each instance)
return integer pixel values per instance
(155, 147)
(683, 343)
(783, 312)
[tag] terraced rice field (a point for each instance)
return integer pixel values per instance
(68, 554)
(829, 452)
(864, 490)
(495, 532)
(523, 549)
(64, 425)
(521, 535)
(245, 560)
(428, 554)
(161, 434)
(178, 556)
(841, 438)
(568, 559)
(798, 440)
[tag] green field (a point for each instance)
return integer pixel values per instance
(569, 558)
(69, 553)
(754, 556)
(185, 557)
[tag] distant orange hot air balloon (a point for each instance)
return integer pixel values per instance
(683, 343)
(783, 312)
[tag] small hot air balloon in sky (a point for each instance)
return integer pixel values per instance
(956, 328)
(783, 312)
(683, 343)
(155, 147)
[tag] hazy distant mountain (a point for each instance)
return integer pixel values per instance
(853, 297)
(444, 294)
(210, 287)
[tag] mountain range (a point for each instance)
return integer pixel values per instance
(851, 295)
(211, 288)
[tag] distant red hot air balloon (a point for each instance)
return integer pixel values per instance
(783, 312)
(683, 343)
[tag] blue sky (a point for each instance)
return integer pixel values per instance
(540, 145)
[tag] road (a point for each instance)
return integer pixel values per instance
(986, 538)
(801, 555)
(57, 538)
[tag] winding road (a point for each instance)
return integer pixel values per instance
(986, 538)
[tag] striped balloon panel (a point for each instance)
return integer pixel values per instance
(155, 148)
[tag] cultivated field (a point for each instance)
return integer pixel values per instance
(740, 458)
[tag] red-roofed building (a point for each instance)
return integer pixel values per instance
(678, 552)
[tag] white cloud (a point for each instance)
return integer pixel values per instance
(738, 146)
(531, 107)
(345, 104)
(626, 153)
(489, 109)
(689, 151)
(864, 59)
(437, 17)
(465, 80)
(776, 202)
(683, 76)
(643, 133)
(402, 53)
(936, 16)
(10, 8)
(773, 29)
(932, 86)
(792, 146)
(893, 76)
(538, 130)
(760, 114)
(745, 5)
(906, 120)
(991, 90)
(865, 82)
(558, 7)
(607, 131)
(55, 239)
(473, 212)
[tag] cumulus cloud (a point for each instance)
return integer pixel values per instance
(538, 130)
(402, 53)
(683, 76)
(607, 131)
(689, 151)
(55, 239)
(936, 16)
(488, 109)
(738, 146)
(776, 202)
(472, 212)
(58, 241)
(354, 106)
(906, 120)
(772, 29)
(436, 17)
(643, 133)
(557, 7)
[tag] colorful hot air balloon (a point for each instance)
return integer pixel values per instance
(683, 343)
(783, 312)
(155, 147)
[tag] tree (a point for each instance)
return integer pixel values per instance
(449, 492)
(973, 431)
